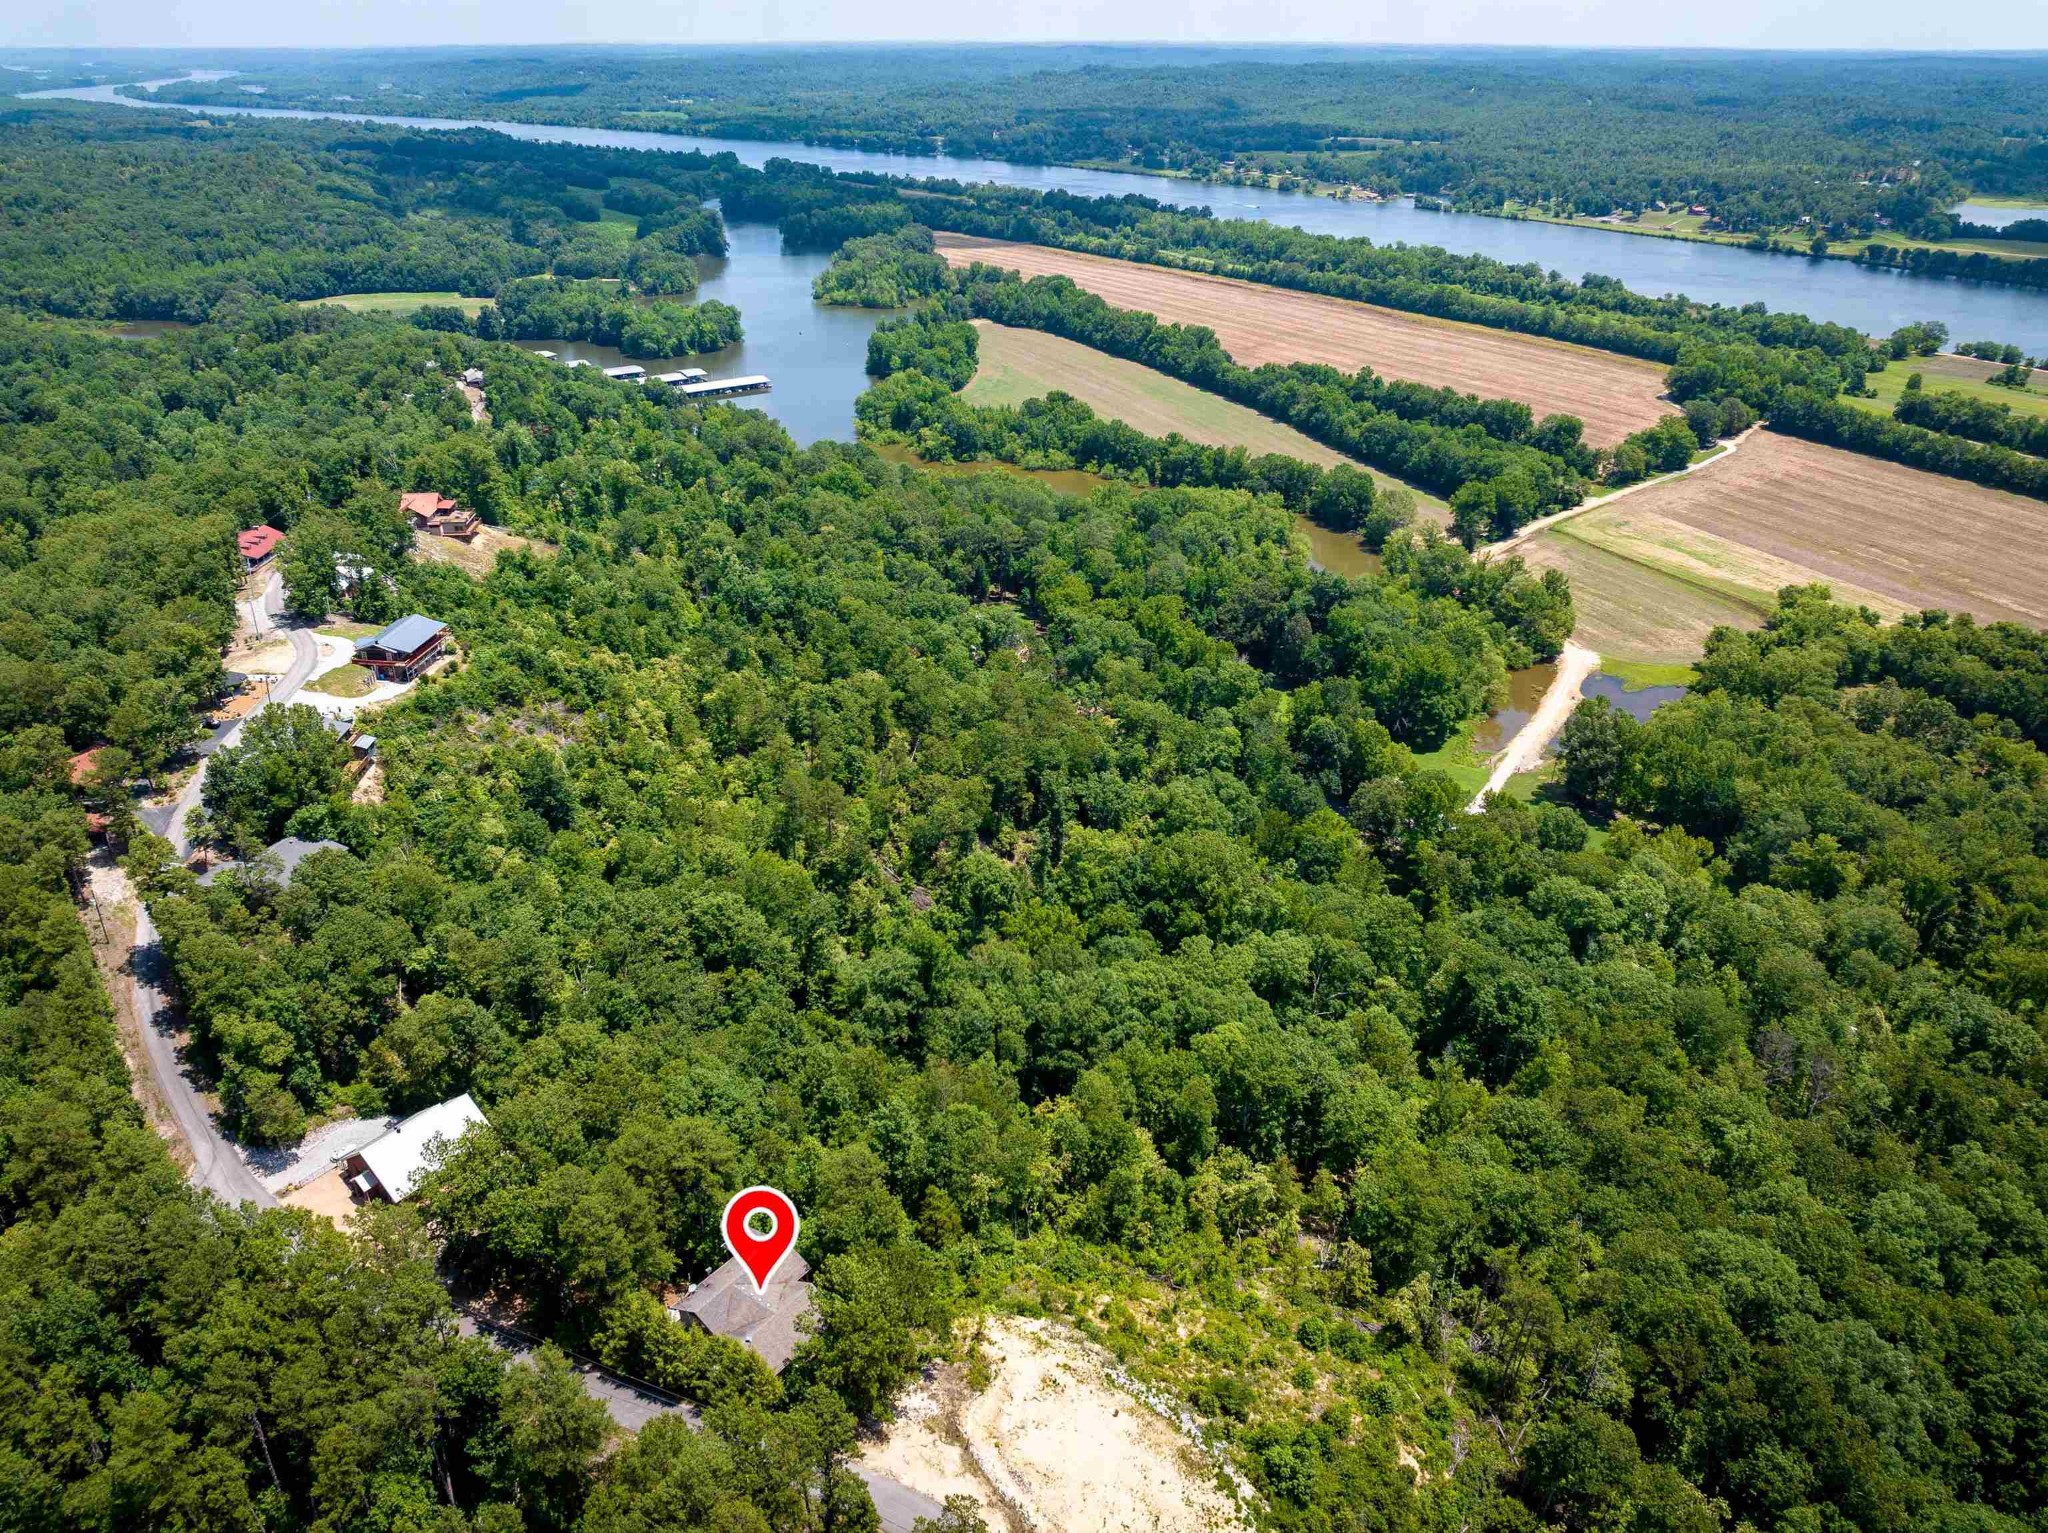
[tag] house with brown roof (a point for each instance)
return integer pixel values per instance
(725, 1304)
(256, 546)
(434, 513)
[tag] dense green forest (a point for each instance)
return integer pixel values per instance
(1041, 889)
(110, 217)
(1047, 890)
(1762, 139)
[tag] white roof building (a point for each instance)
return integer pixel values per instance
(393, 1164)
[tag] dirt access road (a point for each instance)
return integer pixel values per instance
(1612, 394)
(1521, 754)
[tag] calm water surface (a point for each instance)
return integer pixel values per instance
(1640, 702)
(815, 356)
(1995, 218)
(1876, 302)
(1525, 690)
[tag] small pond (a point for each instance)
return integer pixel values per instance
(1338, 552)
(1525, 690)
(1640, 702)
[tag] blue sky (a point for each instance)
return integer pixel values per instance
(1903, 24)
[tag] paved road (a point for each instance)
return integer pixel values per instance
(217, 1166)
(633, 1404)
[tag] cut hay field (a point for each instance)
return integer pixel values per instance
(1783, 511)
(1017, 365)
(1255, 323)
(1632, 611)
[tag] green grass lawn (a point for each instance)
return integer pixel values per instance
(1952, 375)
(398, 303)
(346, 680)
(347, 630)
(1459, 759)
(1638, 674)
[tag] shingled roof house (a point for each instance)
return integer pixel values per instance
(725, 1304)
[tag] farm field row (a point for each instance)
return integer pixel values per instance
(398, 303)
(1613, 395)
(1652, 575)
(1658, 570)
(1017, 365)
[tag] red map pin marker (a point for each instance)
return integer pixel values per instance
(760, 1253)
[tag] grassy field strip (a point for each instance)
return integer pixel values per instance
(1017, 365)
(1952, 375)
(398, 303)
(1633, 613)
(1709, 564)
(1257, 323)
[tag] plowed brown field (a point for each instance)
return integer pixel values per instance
(1919, 539)
(1613, 395)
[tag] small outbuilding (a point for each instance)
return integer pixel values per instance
(390, 1166)
(401, 651)
(725, 1304)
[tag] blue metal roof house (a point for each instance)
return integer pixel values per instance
(404, 649)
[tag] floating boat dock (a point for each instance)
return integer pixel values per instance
(719, 388)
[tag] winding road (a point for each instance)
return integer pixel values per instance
(217, 1166)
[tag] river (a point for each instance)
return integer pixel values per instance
(1876, 302)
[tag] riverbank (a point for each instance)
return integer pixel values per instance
(1875, 300)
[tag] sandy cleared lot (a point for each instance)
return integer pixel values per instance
(1613, 395)
(326, 1195)
(1910, 538)
(1051, 1444)
(479, 556)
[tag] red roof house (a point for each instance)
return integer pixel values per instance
(436, 513)
(257, 545)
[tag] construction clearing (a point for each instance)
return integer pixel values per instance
(1051, 1444)
(1256, 323)
(478, 556)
